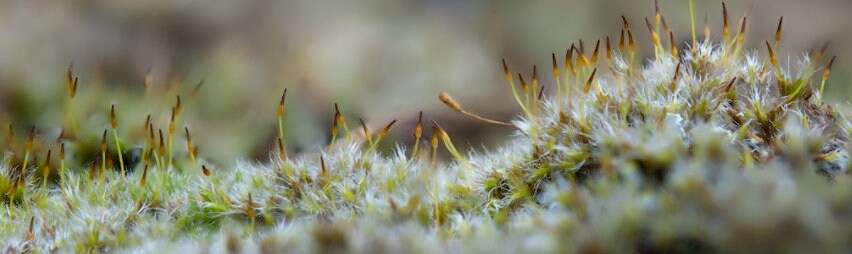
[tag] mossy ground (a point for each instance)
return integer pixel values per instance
(709, 148)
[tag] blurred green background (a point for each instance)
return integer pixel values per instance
(380, 60)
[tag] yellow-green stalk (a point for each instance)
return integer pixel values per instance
(189, 146)
(534, 83)
(282, 152)
(379, 136)
(558, 83)
(251, 213)
(450, 147)
(103, 152)
(29, 147)
(338, 120)
(525, 88)
(153, 148)
(569, 68)
(673, 46)
(22, 179)
(512, 86)
(46, 170)
(171, 133)
(161, 150)
(334, 123)
(281, 115)
(740, 38)
(71, 82)
(434, 142)
(146, 144)
(692, 22)
(658, 47)
(114, 124)
(10, 139)
(418, 131)
(342, 121)
(824, 78)
(323, 171)
(142, 182)
(631, 44)
(62, 162)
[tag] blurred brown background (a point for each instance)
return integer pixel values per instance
(379, 59)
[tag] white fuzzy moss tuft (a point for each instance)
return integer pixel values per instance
(642, 162)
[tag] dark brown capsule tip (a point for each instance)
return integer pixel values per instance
(505, 67)
(597, 47)
(30, 230)
(205, 170)
(677, 71)
(144, 175)
(113, 119)
(283, 97)
(74, 87)
(555, 65)
(769, 47)
(650, 26)
(364, 128)
(103, 138)
(608, 46)
(198, 87)
(535, 73)
(730, 84)
(387, 127)
(568, 56)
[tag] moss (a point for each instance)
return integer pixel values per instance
(701, 149)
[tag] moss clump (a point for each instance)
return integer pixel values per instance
(710, 148)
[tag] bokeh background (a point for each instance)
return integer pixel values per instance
(379, 59)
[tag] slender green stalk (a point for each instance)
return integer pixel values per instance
(118, 151)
